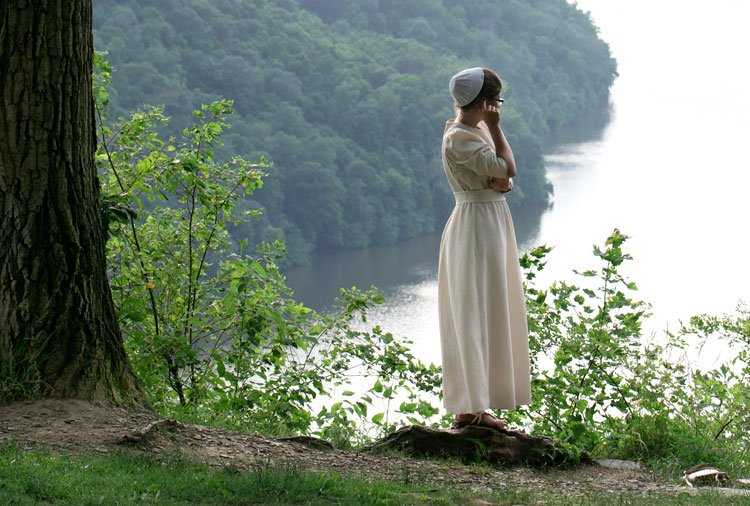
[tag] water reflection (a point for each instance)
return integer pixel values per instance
(390, 268)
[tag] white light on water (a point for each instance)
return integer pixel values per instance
(671, 169)
(412, 311)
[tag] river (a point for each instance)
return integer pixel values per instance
(670, 170)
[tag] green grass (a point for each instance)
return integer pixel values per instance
(128, 478)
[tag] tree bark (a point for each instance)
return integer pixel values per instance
(59, 334)
(474, 443)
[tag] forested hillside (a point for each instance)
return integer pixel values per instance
(348, 98)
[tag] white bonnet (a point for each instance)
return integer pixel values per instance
(465, 85)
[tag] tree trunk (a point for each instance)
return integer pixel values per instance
(59, 334)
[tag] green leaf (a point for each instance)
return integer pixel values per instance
(235, 285)
(259, 269)
(136, 316)
(220, 367)
(408, 407)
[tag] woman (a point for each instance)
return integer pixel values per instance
(483, 328)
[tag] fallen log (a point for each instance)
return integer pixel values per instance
(474, 443)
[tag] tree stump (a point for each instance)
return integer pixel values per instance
(474, 443)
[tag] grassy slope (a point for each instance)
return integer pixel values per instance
(43, 478)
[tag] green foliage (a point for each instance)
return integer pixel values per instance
(589, 332)
(349, 99)
(689, 414)
(598, 387)
(210, 328)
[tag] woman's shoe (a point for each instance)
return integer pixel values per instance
(481, 418)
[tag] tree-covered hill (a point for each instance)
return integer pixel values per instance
(348, 98)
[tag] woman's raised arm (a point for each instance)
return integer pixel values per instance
(491, 116)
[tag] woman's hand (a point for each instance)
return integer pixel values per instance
(501, 184)
(491, 117)
(490, 113)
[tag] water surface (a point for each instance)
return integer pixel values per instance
(671, 170)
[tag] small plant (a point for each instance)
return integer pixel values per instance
(590, 333)
(599, 387)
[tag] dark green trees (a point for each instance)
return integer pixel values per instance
(349, 99)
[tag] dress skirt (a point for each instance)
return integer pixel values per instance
(483, 330)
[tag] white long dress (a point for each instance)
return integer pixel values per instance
(483, 331)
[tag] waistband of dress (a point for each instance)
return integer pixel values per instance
(478, 196)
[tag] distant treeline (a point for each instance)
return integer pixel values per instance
(348, 98)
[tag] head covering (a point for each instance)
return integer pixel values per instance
(465, 85)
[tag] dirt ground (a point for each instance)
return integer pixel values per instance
(75, 427)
